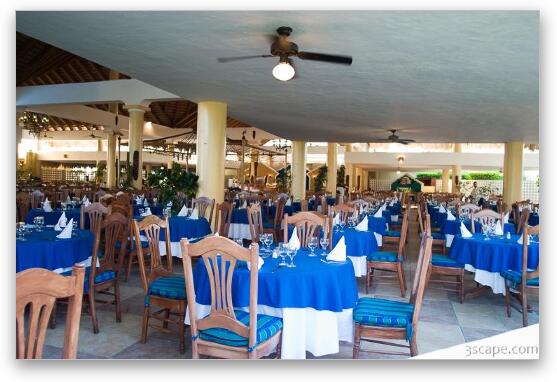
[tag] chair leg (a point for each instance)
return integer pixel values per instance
(166, 317)
(93, 310)
(279, 347)
(145, 325)
(130, 261)
(369, 275)
(356, 347)
(524, 308)
(508, 300)
(461, 287)
(117, 301)
(413, 346)
(52, 324)
(181, 331)
(401, 279)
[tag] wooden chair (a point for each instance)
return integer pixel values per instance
(485, 217)
(23, 203)
(160, 286)
(390, 261)
(520, 217)
(223, 218)
(96, 212)
(255, 221)
(203, 204)
(344, 210)
(308, 225)
(389, 319)
(523, 281)
(439, 241)
(256, 335)
(391, 238)
(107, 276)
(303, 205)
(468, 209)
(275, 226)
(37, 198)
(442, 266)
(36, 293)
(98, 195)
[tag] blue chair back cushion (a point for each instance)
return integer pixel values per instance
(438, 235)
(516, 278)
(445, 261)
(168, 287)
(99, 277)
(390, 233)
(267, 327)
(385, 313)
(381, 256)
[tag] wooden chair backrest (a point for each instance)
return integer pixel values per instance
(307, 225)
(219, 255)
(279, 212)
(485, 216)
(36, 199)
(114, 229)
(204, 205)
(98, 195)
(525, 274)
(304, 205)
(255, 221)
(324, 205)
(23, 203)
(344, 210)
(420, 277)
(151, 227)
(223, 218)
(520, 217)
(36, 291)
(96, 212)
(468, 208)
(403, 235)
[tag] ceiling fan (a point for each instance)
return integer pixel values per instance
(393, 138)
(284, 49)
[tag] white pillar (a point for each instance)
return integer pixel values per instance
(456, 169)
(111, 161)
(445, 180)
(211, 149)
(135, 143)
(298, 170)
(332, 167)
(512, 173)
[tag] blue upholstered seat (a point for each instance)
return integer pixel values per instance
(438, 235)
(168, 287)
(268, 225)
(445, 261)
(516, 278)
(386, 313)
(392, 233)
(99, 277)
(267, 326)
(383, 256)
(398, 222)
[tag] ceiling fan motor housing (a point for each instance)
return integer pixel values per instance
(284, 48)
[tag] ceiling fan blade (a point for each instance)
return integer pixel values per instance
(333, 59)
(380, 140)
(238, 58)
(407, 140)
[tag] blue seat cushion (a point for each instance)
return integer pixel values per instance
(99, 277)
(168, 287)
(392, 233)
(268, 225)
(398, 222)
(445, 261)
(390, 257)
(438, 235)
(515, 278)
(386, 313)
(267, 326)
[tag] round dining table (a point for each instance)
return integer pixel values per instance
(450, 228)
(488, 257)
(359, 244)
(51, 218)
(42, 249)
(315, 300)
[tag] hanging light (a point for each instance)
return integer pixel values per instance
(283, 71)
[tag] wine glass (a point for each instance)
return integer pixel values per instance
(291, 254)
(485, 230)
(324, 244)
(269, 240)
(282, 253)
(20, 230)
(40, 223)
(312, 244)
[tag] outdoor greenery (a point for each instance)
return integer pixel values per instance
(486, 175)
(173, 183)
(101, 170)
(284, 179)
(320, 179)
(341, 176)
(428, 175)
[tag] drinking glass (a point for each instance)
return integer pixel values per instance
(20, 230)
(269, 240)
(324, 244)
(291, 254)
(282, 253)
(312, 244)
(263, 241)
(39, 221)
(240, 242)
(485, 230)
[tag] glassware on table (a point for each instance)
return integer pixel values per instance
(282, 247)
(141, 210)
(485, 230)
(324, 245)
(268, 240)
(39, 222)
(336, 228)
(312, 244)
(291, 254)
(240, 242)
(20, 231)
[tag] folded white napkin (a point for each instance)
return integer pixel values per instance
(86, 203)
(392, 203)
(194, 214)
(362, 226)
(339, 251)
(68, 200)
(84, 198)
(442, 209)
(244, 204)
(62, 220)
(506, 218)
(169, 204)
(145, 203)
(498, 228)
(294, 242)
(336, 219)
(288, 202)
(183, 211)
(450, 216)
(67, 232)
(384, 207)
(464, 231)
(46, 206)
(147, 212)
(260, 262)
(394, 218)
(378, 213)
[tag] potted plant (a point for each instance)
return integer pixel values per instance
(173, 183)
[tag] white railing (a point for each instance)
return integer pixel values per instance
(380, 185)
(530, 189)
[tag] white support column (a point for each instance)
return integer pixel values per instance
(456, 169)
(332, 168)
(512, 173)
(211, 149)
(445, 180)
(135, 143)
(298, 170)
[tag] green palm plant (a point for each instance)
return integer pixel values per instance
(174, 183)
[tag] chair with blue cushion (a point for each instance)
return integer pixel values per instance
(308, 225)
(255, 221)
(379, 319)
(439, 240)
(522, 281)
(227, 332)
(223, 218)
(345, 212)
(443, 265)
(485, 217)
(389, 261)
(391, 238)
(161, 287)
(274, 227)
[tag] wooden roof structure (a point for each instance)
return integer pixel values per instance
(39, 63)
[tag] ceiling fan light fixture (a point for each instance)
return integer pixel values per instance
(283, 71)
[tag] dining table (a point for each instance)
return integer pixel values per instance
(315, 300)
(450, 228)
(42, 249)
(51, 217)
(488, 256)
(359, 244)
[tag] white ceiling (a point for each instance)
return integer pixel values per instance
(445, 76)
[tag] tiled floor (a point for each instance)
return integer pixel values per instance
(444, 322)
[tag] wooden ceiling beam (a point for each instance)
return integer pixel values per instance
(74, 73)
(51, 58)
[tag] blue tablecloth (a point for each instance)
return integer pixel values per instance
(239, 216)
(155, 209)
(534, 219)
(377, 225)
(51, 218)
(183, 227)
(295, 207)
(312, 284)
(45, 250)
(394, 209)
(494, 255)
(358, 243)
(452, 227)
